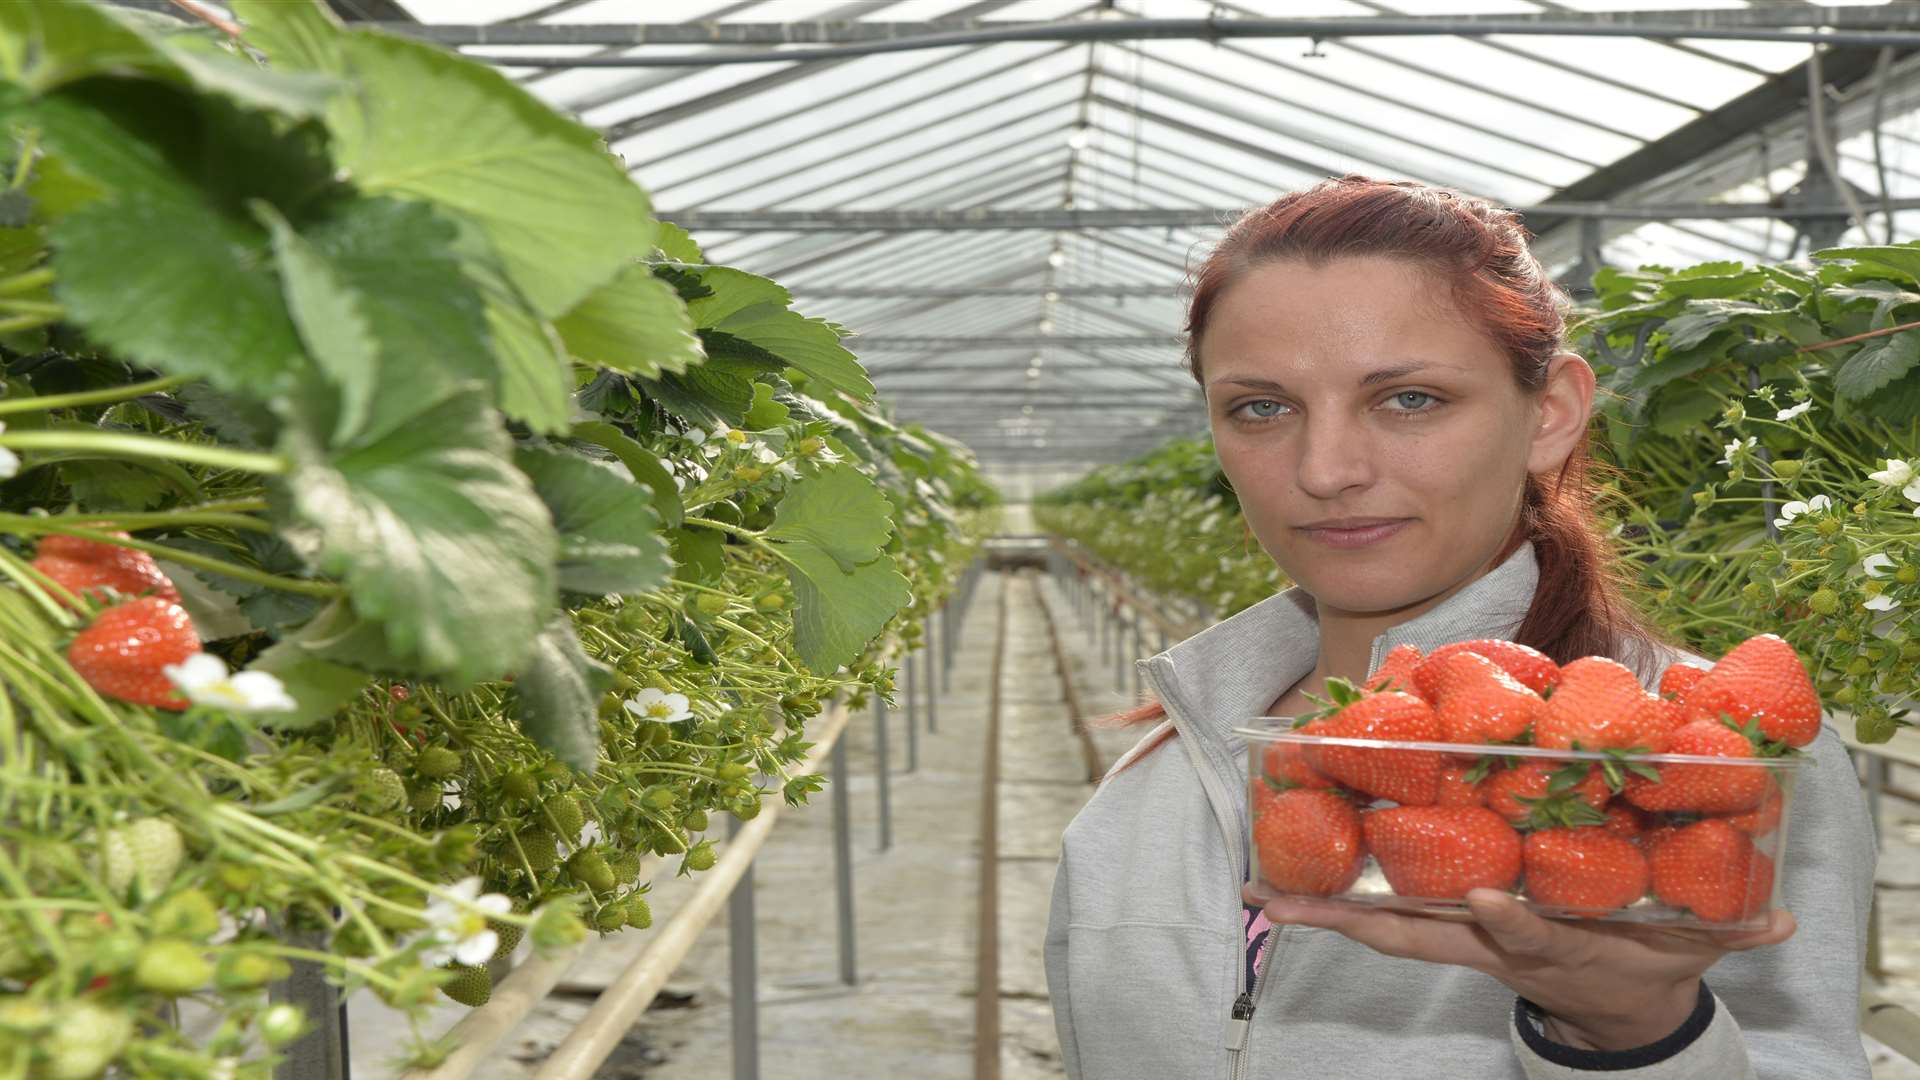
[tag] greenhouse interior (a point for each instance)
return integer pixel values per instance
(677, 539)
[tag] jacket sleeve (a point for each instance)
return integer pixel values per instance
(1056, 962)
(1796, 1003)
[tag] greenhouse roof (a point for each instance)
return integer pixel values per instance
(1007, 223)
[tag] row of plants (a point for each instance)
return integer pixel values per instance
(1763, 428)
(402, 533)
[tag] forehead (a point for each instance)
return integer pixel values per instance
(1355, 312)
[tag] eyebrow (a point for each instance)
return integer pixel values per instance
(1371, 378)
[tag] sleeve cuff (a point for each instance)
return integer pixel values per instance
(1642, 1060)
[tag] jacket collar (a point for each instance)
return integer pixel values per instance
(1229, 673)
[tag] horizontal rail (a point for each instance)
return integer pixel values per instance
(1123, 590)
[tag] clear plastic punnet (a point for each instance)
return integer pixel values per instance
(1669, 839)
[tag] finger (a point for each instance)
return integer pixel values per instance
(1412, 937)
(1512, 927)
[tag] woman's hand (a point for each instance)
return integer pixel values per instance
(1603, 986)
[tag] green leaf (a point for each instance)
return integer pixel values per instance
(635, 324)
(838, 511)
(439, 537)
(557, 696)
(609, 533)
(1702, 318)
(808, 344)
(319, 688)
(1716, 280)
(1674, 364)
(115, 484)
(702, 396)
(641, 463)
(765, 412)
(1902, 259)
(732, 291)
(210, 67)
(837, 612)
(329, 319)
(299, 34)
(1880, 361)
(424, 123)
(536, 381)
(699, 553)
(46, 44)
(1683, 409)
(676, 245)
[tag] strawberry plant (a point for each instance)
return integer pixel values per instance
(401, 531)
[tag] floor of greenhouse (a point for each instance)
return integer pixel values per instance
(912, 1009)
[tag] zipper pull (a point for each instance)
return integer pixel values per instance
(1238, 1022)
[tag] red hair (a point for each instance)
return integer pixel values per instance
(1480, 252)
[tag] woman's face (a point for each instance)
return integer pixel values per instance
(1354, 393)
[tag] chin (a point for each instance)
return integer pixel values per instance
(1387, 589)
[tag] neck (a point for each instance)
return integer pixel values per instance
(1346, 637)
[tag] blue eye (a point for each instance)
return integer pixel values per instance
(1272, 408)
(1416, 406)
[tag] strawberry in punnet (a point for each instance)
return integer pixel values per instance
(1596, 706)
(1529, 666)
(1286, 764)
(122, 653)
(1307, 840)
(1761, 679)
(1707, 789)
(1541, 794)
(1442, 851)
(1458, 787)
(1679, 680)
(1396, 670)
(91, 566)
(1478, 702)
(1627, 821)
(1762, 819)
(1713, 870)
(1586, 868)
(1410, 777)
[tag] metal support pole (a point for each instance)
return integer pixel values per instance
(911, 667)
(880, 738)
(843, 859)
(1137, 650)
(745, 973)
(947, 628)
(933, 686)
(1119, 655)
(320, 1054)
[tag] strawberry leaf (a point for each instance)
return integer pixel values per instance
(634, 324)
(838, 612)
(610, 538)
(838, 512)
(557, 696)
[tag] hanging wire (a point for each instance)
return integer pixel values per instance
(1823, 140)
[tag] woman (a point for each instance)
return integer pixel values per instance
(1390, 397)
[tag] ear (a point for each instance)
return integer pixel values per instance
(1565, 403)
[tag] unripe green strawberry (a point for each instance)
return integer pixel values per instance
(668, 842)
(660, 798)
(639, 914)
(772, 601)
(239, 970)
(590, 868)
(746, 807)
(380, 791)
(14, 957)
(424, 798)
(625, 865)
(436, 763)
(710, 604)
(24, 1016)
(186, 914)
(731, 770)
(539, 846)
(1823, 602)
(520, 785)
(566, 814)
(145, 852)
(556, 927)
(115, 952)
(172, 966)
(509, 935)
(281, 1024)
(700, 856)
(611, 916)
(470, 986)
(694, 821)
(86, 1038)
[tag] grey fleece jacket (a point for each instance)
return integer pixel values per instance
(1145, 948)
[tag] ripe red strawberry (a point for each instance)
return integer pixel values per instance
(1678, 680)
(86, 565)
(1762, 819)
(1477, 702)
(1626, 820)
(1286, 762)
(1597, 705)
(1586, 868)
(1442, 851)
(1762, 679)
(1456, 790)
(1710, 789)
(1713, 870)
(1544, 793)
(1655, 721)
(1308, 840)
(122, 652)
(1410, 777)
(1529, 666)
(1397, 668)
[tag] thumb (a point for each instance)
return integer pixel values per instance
(1507, 921)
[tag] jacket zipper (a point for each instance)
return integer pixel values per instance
(1241, 1016)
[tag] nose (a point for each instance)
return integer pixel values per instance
(1335, 456)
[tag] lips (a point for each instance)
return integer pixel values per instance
(1370, 531)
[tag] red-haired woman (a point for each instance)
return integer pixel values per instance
(1391, 397)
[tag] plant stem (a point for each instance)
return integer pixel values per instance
(23, 524)
(86, 397)
(26, 282)
(143, 446)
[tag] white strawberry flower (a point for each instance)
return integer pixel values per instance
(1883, 602)
(1736, 447)
(9, 461)
(1897, 473)
(457, 927)
(1797, 410)
(765, 454)
(1912, 492)
(1876, 565)
(203, 678)
(1795, 508)
(657, 706)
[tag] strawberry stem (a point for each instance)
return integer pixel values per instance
(114, 444)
